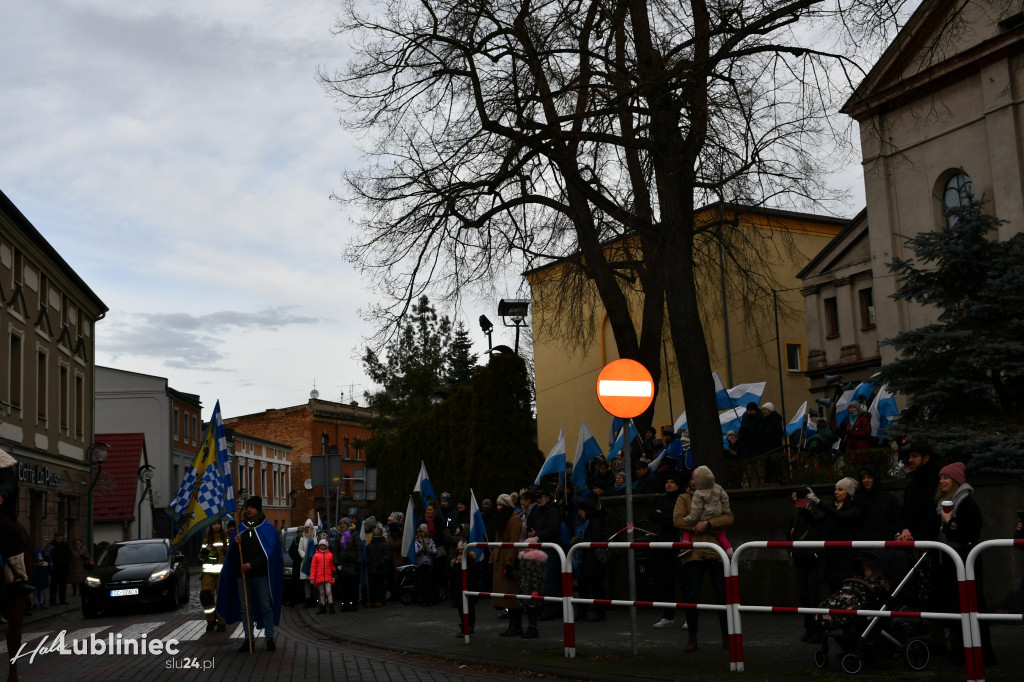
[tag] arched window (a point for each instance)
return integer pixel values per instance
(959, 191)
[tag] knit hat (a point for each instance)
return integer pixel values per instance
(954, 471)
(423, 528)
(847, 484)
(370, 522)
(256, 502)
(446, 496)
(345, 520)
(505, 500)
(751, 405)
(487, 502)
(308, 524)
(768, 406)
(703, 478)
(322, 543)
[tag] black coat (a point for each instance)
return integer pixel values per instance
(772, 432)
(546, 523)
(918, 512)
(596, 532)
(661, 517)
(648, 485)
(750, 436)
(881, 514)
(839, 524)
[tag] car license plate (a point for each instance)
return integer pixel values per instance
(130, 592)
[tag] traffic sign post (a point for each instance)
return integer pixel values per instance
(625, 389)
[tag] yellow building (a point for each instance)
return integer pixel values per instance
(740, 322)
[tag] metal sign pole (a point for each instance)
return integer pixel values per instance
(631, 555)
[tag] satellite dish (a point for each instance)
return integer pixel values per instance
(308, 484)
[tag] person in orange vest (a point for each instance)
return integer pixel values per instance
(212, 558)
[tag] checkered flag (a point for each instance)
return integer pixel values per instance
(179, 504)
(206, 492)
(211, 492)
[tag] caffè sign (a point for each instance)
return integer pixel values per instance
(33, 473)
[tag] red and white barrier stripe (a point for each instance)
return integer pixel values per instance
(963, 616)
(567, 577)
(971, 595)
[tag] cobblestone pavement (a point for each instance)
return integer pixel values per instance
(399, 642)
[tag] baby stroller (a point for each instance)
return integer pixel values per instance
(863, 638)
(406, 585)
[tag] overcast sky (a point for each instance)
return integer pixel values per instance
(179, 156)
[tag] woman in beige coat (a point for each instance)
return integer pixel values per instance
(507, 526)
(700, 561)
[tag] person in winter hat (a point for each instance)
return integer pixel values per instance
(322, 576)
(709, 498)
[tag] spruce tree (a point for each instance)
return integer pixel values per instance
(460, 363)
(963, 375)
(412, 371)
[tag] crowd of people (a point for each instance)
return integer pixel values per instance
(938, 505)
(692, 507)
(56, 567)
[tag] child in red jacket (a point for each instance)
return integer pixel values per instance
(321, 574)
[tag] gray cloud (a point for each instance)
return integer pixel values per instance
(187, 341)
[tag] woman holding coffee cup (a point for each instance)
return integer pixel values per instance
(959, 527)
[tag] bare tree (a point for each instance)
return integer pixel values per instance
(592, 131)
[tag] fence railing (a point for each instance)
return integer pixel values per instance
(733, 607)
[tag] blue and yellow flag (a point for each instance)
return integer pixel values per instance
(206, 493)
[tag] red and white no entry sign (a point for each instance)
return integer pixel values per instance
(625, 388)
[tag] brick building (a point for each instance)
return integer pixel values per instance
(263, 467)
(303, 428)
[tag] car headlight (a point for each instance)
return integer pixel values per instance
(92, 582)
(158, 575)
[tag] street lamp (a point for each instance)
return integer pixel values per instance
(145, 477)
(514, 309)
(488, 327)
(94, 455)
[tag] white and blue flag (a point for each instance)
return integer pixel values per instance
(409, 533)
(477, 529)
(798, 421)
(587, 449)
(555, 462)
(620, 440)
(423, 486)
(882, 411)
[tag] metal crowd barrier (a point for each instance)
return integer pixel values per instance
(467, 593)
(971, 660)
(568, 615)
(969, 594)
(965, 575)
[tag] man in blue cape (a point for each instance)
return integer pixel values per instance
(253, 569)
